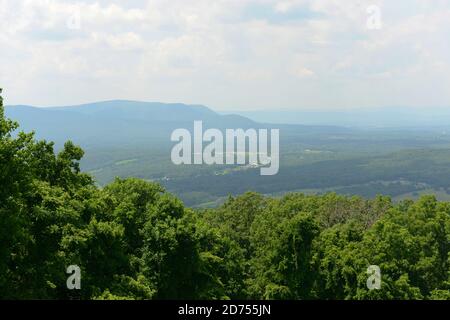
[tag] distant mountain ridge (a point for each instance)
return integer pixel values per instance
(124, 122)
(118, 121)
(137, 110)
(394, 117)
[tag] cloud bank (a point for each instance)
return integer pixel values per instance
(228, 54)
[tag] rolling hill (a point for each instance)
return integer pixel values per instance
(115, 122)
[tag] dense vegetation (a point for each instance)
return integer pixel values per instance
(133, 240)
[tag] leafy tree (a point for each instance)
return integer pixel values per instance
(282, 238)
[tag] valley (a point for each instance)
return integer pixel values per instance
(132, 139)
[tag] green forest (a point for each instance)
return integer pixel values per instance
(133, 240)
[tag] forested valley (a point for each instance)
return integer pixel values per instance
(133, 240)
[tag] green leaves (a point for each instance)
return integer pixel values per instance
(308, 247)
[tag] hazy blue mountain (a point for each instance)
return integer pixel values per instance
(399, 117)
(124, 123)
(118, 122)
(136, 110)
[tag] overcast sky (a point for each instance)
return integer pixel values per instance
(228, 54)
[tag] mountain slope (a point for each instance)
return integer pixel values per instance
(124, 123)
(118, 122)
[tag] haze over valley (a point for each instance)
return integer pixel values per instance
(132, 139)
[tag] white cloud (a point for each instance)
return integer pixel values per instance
(227, 53)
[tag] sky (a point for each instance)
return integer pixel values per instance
(228, 54)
